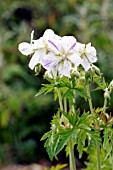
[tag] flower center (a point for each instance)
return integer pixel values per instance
(64, 57)
(83, 53)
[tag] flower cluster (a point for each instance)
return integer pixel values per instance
(58, 55)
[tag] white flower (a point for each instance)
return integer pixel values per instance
(61, 57)
(38, 47)
(87, 54)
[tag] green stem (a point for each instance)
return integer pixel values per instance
(112, 166)
(105, 105)
(60, 99)
(71, 155)
(89, 99)
(98, 157)
(65, 104)
(97, 145)
(73, 105)
(72, 163)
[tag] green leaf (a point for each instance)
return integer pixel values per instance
(46, 89)
(81, 90)
(80, 148)
(82, 119)
(46, 135)
(100, 82)
(51, 145)
(71, 117)
(64, 137)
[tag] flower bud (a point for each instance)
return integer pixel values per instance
(75, 72)
(82, 80)
(96, 69)
(106, 95)
(38, 69)
(111, 84)
(91, 71)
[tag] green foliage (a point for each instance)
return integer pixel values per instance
(106, 163)
(57, 167)
(77, 128)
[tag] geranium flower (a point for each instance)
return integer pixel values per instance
(61, 57)
(87, 54)
(38, 47)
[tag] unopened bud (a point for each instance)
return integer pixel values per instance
(96, 69)
(82, 80)
(106, 95)
(76, 73)
(92, 71)
(38, 69)
(111, 84)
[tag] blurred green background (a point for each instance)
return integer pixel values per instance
(23, 117)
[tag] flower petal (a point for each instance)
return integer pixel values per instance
(85, 63)
(79, 48)
(50, 61)
(38, 44)
(91, 53)
(48, 33)
(68, 43)
(75, 59)
(53, 46)
(64, 69)
(25, 48)
(92, 58)
(36, 58)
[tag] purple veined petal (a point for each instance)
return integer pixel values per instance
(54, 45)
(71, 48)
(47, 64)
(25, 48)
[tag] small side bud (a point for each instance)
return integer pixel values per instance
(75, 72)
(92, 71)
(96, 69)
(106, 94)
(111, 84)
(37, 69)
(81, 80)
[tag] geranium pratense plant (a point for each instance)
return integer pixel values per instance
(70, 72)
